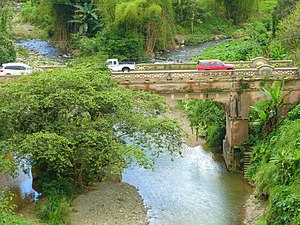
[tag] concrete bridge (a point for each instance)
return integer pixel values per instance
(236, 89)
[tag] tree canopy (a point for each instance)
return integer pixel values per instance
(76, 123)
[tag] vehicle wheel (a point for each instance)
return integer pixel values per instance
(8, 74)
(229, 69)
(125, 70)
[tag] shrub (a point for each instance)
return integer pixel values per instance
(284, 206)
(7, 212)
(7, 50)
(54, 210)
(49, 186)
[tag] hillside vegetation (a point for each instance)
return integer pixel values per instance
(137, 29)
(86, 115)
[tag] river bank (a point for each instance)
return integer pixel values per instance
(112, 203)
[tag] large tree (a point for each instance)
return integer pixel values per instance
(76, 123)
(238, 10)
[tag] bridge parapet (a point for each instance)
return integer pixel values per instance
(152, 77)
(239, 64)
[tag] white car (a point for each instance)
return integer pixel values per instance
(15, 69)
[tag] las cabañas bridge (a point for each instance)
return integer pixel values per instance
(237, 89)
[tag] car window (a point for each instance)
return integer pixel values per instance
(213, 63)
(203, 63)
(10, 67)
(219, 63)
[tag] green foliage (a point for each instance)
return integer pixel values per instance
(36, 13)
(275, 170)
(207, 116)
(6, 15)
(73, 122)
(208, 30)
(86, 16)
(234, 50)
(215, 135)
(284, 205)
(51, 185)
(54, 210)
(7, 50)
(288, 34)
(283, 9)
(131, 46)
(268, 112)
(7, 163)
(294, 114)
(238, 11)
(7, 212)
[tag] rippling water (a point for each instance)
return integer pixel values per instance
(191, 190)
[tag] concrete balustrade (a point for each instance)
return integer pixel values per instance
(254, 63)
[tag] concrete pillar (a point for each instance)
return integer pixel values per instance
(237, 126)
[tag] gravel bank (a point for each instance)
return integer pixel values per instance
(109, 203)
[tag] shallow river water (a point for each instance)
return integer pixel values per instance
(195, 189)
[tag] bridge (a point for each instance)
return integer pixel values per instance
(237, 89)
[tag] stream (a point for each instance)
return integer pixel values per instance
(195, 189)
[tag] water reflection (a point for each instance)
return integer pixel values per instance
(191, 190)
(21, 187)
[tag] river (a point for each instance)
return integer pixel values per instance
(195, 189)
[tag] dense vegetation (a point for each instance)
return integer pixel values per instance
(90, 120)
(75, 126)
(273, 36)
(275, 170)
(207, 119)
(7, 48)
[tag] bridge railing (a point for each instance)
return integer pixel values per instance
(239, 65)
(169, 76)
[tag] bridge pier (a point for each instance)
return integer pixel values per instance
(237, 126)
(236, 134)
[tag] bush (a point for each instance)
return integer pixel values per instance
(7, 212)
(215, 135)
(54, 210)
(234, 50)
(49, 186)
(7, 50)
(284, 206)
(36, 12)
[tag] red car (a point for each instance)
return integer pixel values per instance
(214, 64)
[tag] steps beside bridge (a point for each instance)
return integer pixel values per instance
(247, 159)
